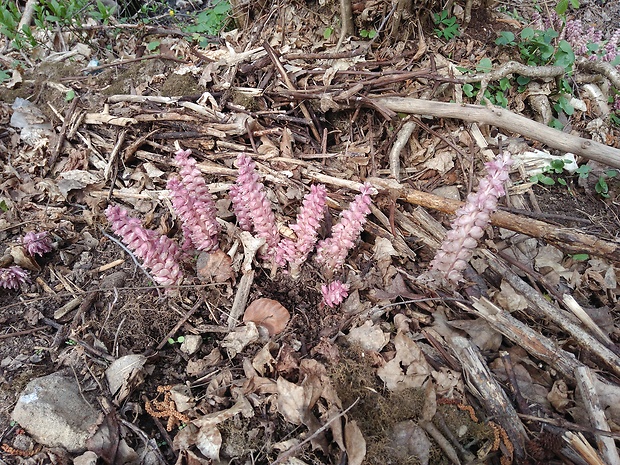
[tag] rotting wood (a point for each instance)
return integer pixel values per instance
(485, 388)
(505, 119)
(564, 320)
(565, 238)
(606, 445)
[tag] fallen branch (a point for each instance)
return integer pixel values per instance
(565, 238)
(504, 119)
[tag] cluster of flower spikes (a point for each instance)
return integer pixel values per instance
(159, 253)
(252, 207)
(35, 243)
(193, 203)
(306, 228)
(253, 211)
(471, 219)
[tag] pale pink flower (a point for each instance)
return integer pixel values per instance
(334, 293)
(306, 228)
(471, 219)
(332, 252)
(251, 205)
(159, 253)
(193, 203)
(37, 243)
(13, 277)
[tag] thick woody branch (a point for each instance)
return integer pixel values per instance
(507, 120)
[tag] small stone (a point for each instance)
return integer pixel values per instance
(52, 410)
(191, 344)
(448, 192)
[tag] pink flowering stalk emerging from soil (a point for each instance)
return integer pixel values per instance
(306, 228)
(159, 253)
(332, 252)
(251, 205)
(471, 219)
(193, 203)
(37, 243)
(13, 277)
(334, 293)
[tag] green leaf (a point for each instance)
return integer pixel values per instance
(583, 171)
(505, 38)
(611, 173)
(523, 80)
(562, 181)
(546, 180)
(153, 45)
(468, 90)
(3, 206)
(328, 32)
(561, 7)
(504, 83)
(527, 33)
(580, 257)
(70, 95)
(485, 65)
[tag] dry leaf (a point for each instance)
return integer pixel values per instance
(125, 374)
(237, 340)
(263, 361)
(269, 314)
(215, 267)
(481, 333)
(21, 258)
(209, 442)
(292, 402)
(408, 355)
(355, 443)
(368, 337)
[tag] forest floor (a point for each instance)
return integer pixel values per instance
(517, 363)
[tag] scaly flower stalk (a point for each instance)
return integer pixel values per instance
(306, 228)
(334, 293)
(471, 219)
(37, 243)
(158, 252)
(332, 252)
(13, 277)
(252, 206)
(193, 203)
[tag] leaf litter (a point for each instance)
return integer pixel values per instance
(379, 379)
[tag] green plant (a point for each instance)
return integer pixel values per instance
(601, 187)
(327, 33)
(555, 167)
(447, 27)
(368, 33)
(4, 76)
(562, 6)
(178, 340)
(70, 95)
(579, 257)
(506, 38)
(210, 21)
(153, 45)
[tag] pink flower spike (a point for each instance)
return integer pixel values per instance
(250, 202)
(159, 253)
(306, 228)
(13, 277)
(194, 205)
(37, 243)
(334, 293)
(471, 220)
(332, 252)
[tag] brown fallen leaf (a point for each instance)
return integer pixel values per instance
(215, 267)
(269, 314)
(355, 443)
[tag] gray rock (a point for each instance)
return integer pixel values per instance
(52, 410)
